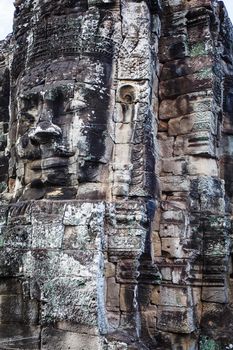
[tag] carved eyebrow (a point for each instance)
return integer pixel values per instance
(29, 101)
(30, 95)
(81, 103)
(63, 86)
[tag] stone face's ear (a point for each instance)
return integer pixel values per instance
(4, 118)
(17, 2)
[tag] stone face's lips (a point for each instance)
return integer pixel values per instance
(62, 152)
(54, 162)
(49, 163)
(36, 165)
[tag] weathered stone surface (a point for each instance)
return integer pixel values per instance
(116, 188)
(178, 68)
(176, 319)
(186, 104)
(198, 166)
(194, 250)
(69, 340)
(16, 336)
(174, 183)
(173, 48)
(188, 84)
(113, 294)
(214, 295)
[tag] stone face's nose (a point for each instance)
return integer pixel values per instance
(45, 131)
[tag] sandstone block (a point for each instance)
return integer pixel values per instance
(166, 273)
(185, 66)
(128, 240)
(165, 145)
(176, 319)
(173, 216)
(173, 48)
(214, 295)
(175, 296)
(172, 247)
(163, 126)
(179, 5)
(15, 336)
(191, 83)
(16, 309)
(80, 237)
(177, 274)
(174, 184)
(109, 269)
(198, 143)
(177, 201)
(155, 295)
(175, 165)
(113, 294)
(76, 215)
(171, 230)
(194, 122)
(47, 236)
(9, 286)
(60, 340)
(19, 236)
(123, 133)
(156, 243)
(112, 345)
(216, 246)
(202, 166)
(184, 105)
(127, 271)
(127, 296)
(137, 68)
(211, 192)
(227, 144)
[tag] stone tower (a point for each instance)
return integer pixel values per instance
(116, 131)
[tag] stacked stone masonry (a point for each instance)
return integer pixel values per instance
(116, 157)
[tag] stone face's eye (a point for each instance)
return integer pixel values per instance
(25, 122)
(57, 106)
(31, 102)
(26, 117)
(54, 100)
(24, 141)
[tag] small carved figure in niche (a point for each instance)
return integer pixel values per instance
(127, 96)
(126, 115)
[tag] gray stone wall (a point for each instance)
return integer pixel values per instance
(116, 190)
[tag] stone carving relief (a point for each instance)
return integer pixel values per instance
(116, 198)
(53, 127)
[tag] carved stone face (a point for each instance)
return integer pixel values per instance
(60, 127)
(60, 120)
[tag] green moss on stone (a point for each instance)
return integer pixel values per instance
(3, 186)
(208, 344)
(205, 73)
(198, 49)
